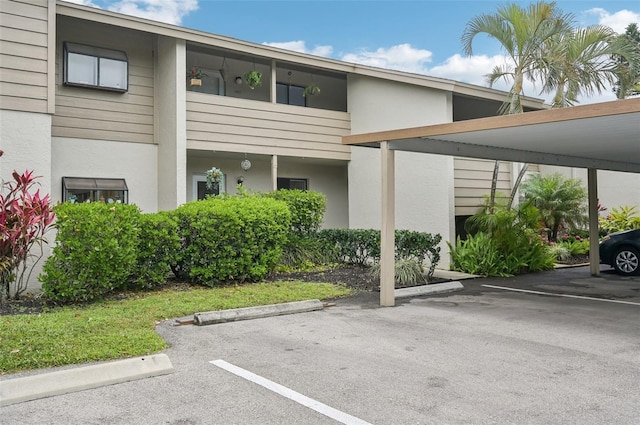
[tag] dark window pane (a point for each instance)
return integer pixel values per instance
(85, 189)
(300, 184)
(282, 93)
(203, 191)
(295, 96)
(288, 183)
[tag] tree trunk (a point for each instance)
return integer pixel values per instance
(514, 190)
(494, 185)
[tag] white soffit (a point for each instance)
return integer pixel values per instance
(605, 136)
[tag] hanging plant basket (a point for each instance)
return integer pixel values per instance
(253, 79)
(214, 177)
(195, 76)
(311, 90)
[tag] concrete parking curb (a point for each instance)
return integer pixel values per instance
(33, 387)
(436, 288)
(222, 316)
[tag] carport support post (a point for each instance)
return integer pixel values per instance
(387, 229)
(594, 253)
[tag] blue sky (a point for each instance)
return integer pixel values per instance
(421, 36)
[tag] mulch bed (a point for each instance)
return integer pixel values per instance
(355, 277)
(576, 259)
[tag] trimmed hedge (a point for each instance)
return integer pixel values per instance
(307, 208)
(362, 246)
(158, 245)
(355, 246)
(230, 238)
(95, 251)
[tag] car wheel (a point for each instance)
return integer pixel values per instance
(626, 261)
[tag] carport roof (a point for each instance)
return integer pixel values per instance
(603, 136)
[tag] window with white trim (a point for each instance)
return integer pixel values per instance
(89, 189)
(95, 67)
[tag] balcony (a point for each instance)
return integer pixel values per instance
(277, 117)
(225, 73)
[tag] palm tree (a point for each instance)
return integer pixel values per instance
(580, 63)
(628, 71)
(561, 202)
(522, 33)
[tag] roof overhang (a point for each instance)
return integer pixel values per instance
(91, 13)
(603, 136)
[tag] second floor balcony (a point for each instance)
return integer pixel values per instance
(232, 74)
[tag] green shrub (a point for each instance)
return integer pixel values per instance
(354, 246)
(230, 238)
(419, 246)
(362, 246)
(506, 244)
(307, 208)
(95, 251)
(304, 252)
(619, 219)
(560, 252)
(157, 247)
(479, 255)
(407, 271)
(560, 202)
(576, 247)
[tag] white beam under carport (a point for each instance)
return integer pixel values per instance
(602, 136)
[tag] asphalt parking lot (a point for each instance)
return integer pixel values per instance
(558, 347)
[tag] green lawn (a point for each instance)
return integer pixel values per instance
(117, 329)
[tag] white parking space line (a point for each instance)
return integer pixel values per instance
(560, 295)
(290, 394)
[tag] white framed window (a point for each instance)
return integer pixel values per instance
(200, 190)
(88, 66)
(90, 189)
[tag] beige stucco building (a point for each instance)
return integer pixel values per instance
(91, 97)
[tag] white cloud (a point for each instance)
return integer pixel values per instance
(617, 21)
(470, 69)
(169, 11)
(300, 46)
(84, 2)
(402, 57)
(473, 69)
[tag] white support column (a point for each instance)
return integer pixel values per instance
(170, 109)
(274, 172)
(387, 233)
(273, 81)
(594, 253)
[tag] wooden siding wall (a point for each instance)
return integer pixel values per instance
(23, 55)
(98, 114)
(238, 125)
(473, 182)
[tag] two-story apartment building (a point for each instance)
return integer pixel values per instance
(102, 106)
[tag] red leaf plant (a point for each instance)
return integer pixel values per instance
(24, 219)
